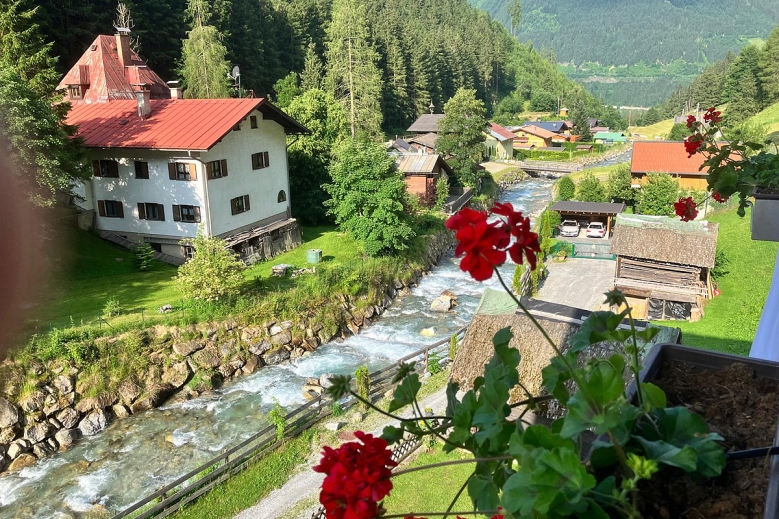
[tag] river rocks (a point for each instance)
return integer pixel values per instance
(9, 414)
(23, 461)
(68, 417)
(153, 397)
(43, 449)
(101, 401)
(260, 347)
(7, 435)
(18, 448)
(66, 437)
(428, 332)
(324, 380)
(276, 356)
(94, 422)
(64, 384)
(208, 357)
(38, 432)
(281, 338)
(275, 330)
(187, 348)
(120, 410)
(228, 369)
(352, 326)
(445, 302)
(128, 391)
(252, 364)
(32, 402)
(177, 375)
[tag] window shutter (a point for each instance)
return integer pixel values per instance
(120, 209)
(224, 167)
(197, 214)
(161, 209)
(266, 159)
(141, 211)
(193, 171)
(176, 213)
(96, 168)
(113, 168)
(245, 202)
(209, 170)
(232, 206)
(172, 170)
(101, 207)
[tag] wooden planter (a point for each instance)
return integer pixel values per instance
(765, 217)
(716, 361)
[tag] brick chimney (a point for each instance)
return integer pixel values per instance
(143, 96)
(123, 47)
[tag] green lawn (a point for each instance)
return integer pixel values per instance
(600, 172)
(661, 129)
(731, 319)
(91, 270)
(770, 118)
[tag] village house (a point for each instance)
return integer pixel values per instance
(531, 136)
(667, 157)
(558, 127)
(606, 137)
(426, 123)
(499, 142)
(421, 172)
(165, 169)
(664, 263)
(423, 143)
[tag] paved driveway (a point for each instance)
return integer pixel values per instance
(578, 282)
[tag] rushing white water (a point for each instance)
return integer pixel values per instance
(137, 455)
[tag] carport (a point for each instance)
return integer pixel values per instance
(589, 211)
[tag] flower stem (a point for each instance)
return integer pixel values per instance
(447, 463)
(390, 415)
(430, 514)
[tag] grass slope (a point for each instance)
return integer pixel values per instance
(770, 118)
(731, 319)
(660, 129)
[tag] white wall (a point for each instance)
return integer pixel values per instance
(158, 189)
(262, 185)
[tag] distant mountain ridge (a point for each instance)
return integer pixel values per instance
(671, 39)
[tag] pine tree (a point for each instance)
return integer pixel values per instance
(352, 72)
(769, 68)
(515, 12)
(743, 88)
(313, 70)
(461, 134)
(204, 69)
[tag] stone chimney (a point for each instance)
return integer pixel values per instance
(143, 96)
(123, 47)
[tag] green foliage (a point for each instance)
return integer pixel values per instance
(362, 383)
(620, 185)
(590, 189)
(566, 189)
(278, 418)
(367, 197)
(461, 134)
(721, 262)
(112, 308)
(452, 347)
(213, 272)
(769, 68)
(434, 363)
(441, 192)
(743, 88)
(144, 256)
(287, 89)
(204, 67)
(336, 409)
(580, 117)
(658, 195)
(678, 132)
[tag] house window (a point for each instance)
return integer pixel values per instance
(237, 127)
(260, 160)
(216, 169)
(282, 196)
(141, 169)
(182, 171)
(74, 91)
(156, 246)
(239, 205)
(110, 208)
(189, 251)
(253, 121)
(147, 211)
(105, 168)
(186, 213)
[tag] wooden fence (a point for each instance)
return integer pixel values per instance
(197, 482)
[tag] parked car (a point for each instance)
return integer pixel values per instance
(569, 228)
(596, 230)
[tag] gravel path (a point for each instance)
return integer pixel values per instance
(305, 484)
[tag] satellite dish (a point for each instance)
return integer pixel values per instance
(236, 72)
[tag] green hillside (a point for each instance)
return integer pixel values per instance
(770, 119)
(637, 53)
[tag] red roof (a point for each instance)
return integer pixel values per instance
(500, 130)
(665, 157)
(174, 124)
(103, 77)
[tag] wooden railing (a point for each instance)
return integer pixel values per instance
(200, 480)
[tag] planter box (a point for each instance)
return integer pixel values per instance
(716, 361)
(765, 217)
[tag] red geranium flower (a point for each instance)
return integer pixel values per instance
(357, 478)
(712, 115)
(525, 241)
(685, 208)
(719, 198)
(481, 243)
(463, 217)
(691, 120)
(692, 143)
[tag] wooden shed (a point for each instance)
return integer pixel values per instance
(665, 261)
(421, 172)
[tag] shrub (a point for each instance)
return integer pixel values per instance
(278, 418)
(144, 256)
(434, 363)
(362, 381)
(441, 192)
(658, 195)
(590, 189)
(112, 307)
(452, 347)
(566, 189)
(212, 273)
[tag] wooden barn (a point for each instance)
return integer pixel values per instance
(421, 172)
(665, 262)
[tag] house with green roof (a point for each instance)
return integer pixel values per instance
(609, 137)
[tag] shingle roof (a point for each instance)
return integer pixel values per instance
(660, 238)
(552, 126)
(538, 132)
(426, 139)
(426, 123)
(417, 163)
(500, 133)
(106, 77)
(572, 206)
(665, 157)
(174, 124)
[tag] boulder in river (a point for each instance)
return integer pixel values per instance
(94, 422)
(9, 414)
(445, 302)
(23, 461)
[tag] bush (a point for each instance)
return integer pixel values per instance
(441, 192)
(434, 363)
(112, 308)
(658, 195)
(213, 272)
(362, 382)
(278, 418)
(566, 189)
(590, 189)
(144, 256)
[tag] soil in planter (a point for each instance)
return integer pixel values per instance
(740, 407)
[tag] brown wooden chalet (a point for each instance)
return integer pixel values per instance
(665, 261)
(421, 172)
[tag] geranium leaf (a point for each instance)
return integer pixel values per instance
(405, 393)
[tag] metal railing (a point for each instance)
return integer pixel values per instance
(200, 480)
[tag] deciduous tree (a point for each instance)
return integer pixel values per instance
(214, 272)
(658, 195)
(461, 134)
(620, 185)
(590, 189)
(566, 189)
